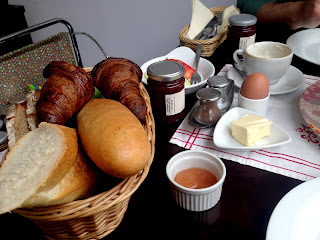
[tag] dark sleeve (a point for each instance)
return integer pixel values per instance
(252, 6)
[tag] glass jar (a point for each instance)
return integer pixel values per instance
(208, 111)
(3, 141)
(166, 89)
(241, 30)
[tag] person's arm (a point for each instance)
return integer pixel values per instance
(293, 14)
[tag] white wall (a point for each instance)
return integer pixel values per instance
(138, 30)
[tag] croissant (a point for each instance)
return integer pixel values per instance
(67, 89)
(118, 79)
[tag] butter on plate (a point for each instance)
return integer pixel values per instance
(250, 128)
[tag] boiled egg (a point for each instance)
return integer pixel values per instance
(255, 86)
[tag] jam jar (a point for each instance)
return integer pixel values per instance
(241, 31)
(166, 89)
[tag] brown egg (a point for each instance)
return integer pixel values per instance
(255, 86)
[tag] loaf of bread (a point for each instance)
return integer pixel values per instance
(21, 118)
(118, 79)
(37, 162)
(113, 137)
(78, 183)
(67, 89)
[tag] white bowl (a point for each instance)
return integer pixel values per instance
(196, 199)
(187, 55)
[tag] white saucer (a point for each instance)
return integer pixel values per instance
(292, 81)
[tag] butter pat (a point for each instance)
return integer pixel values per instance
(249, 129)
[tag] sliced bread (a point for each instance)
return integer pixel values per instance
(37, 162)
(78, 183)
(21, 118)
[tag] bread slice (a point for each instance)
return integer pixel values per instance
(21, 118)
(17, 123)
(37, 162)
(78, 183)
(32, 99)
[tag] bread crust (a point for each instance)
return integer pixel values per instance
(113, 137)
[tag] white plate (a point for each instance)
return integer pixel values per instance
(306, 45)
(297, 215)
(223, 138)
(187, 55)
(292, 81)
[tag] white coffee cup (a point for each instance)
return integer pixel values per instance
(270, 58)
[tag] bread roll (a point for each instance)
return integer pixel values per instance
(113, 137)
(37, 162)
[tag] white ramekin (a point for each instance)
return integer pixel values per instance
(196, 199)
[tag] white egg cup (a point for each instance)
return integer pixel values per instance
(259, 106)
(196, 199)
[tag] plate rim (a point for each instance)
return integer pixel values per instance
(294, 35)
(247, 148)
(283, 202)
(304, 114)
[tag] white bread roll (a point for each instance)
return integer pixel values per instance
(113, 137)
(37, 162)
(78, 183)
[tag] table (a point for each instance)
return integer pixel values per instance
(248, 198)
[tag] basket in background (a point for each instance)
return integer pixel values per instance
(209, 45)
(96, 216)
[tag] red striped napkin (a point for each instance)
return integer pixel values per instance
(299, 159)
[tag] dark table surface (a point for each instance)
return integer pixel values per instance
(248, 198)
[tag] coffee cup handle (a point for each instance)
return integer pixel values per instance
(238, 62)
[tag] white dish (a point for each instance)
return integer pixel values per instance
(223, 138)
(187, 55)
(297, 215)
(306, 45)
(292, 81)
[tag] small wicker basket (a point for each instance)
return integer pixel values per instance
(209, 45)
(96, 216)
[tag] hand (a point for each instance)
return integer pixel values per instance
(292, 14)
(311, 14)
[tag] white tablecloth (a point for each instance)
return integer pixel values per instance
(299, 159)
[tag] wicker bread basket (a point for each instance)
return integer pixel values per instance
(209, 45)
(96, 216)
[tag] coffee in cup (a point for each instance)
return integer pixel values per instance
(273, 59)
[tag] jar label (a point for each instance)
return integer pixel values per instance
(246, 41)
(175, 103)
